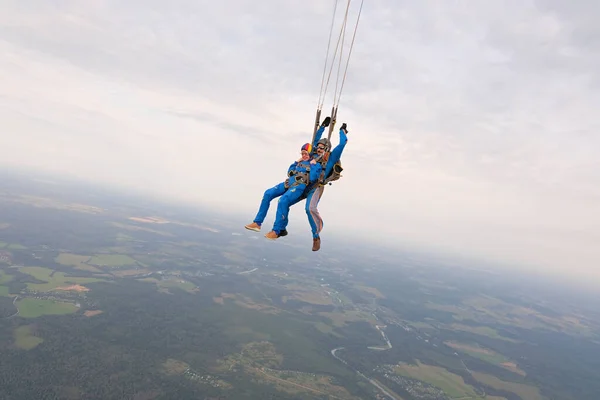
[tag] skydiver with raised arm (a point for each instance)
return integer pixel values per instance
(331, 168)
(301, 173)
(280, 188)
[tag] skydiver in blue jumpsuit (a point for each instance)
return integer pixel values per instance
(315, 191)
(300, 174)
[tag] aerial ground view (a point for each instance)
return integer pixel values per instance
(108, 296)
(299, 200)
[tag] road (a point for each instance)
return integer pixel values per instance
(247, 272)
(371, 381)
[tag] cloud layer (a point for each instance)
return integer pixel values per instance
(472, 128)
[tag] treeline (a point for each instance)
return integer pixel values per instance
(7, 308)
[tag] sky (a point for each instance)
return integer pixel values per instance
(472, 125)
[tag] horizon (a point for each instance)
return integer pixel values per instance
(433, 257)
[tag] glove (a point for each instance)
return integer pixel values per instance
(326, 122)
(344, 127)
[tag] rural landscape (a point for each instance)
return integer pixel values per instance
(110, 296)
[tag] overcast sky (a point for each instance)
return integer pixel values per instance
(472, 124)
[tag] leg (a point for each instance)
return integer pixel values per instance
(314, 218)
(298, 200)
(269, 195)
(301, 197)
(283, 209)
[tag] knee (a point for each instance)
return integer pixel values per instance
(311, 208)
(269, 194)
(283, 201)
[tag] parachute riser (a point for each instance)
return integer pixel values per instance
(333, 120)
(317, 119)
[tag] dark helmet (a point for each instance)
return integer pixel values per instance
(326, 143)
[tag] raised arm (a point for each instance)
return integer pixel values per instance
(320, 131)
(318, 136)
(336, 153)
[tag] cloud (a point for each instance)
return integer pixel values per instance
(473, 127)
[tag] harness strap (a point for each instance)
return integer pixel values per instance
(323, 161)
(295, 171)
(297, 179)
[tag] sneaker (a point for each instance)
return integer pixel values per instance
(272, 235)
(253, 227)
(283, 233)
(316, 244)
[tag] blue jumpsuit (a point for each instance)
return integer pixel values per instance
(315, 193)
(290, 191)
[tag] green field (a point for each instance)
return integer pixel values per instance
(177, 283)
(526, 392)
(420, 325)
(24, 339)
(11, 246)
(55, 281)
(323, 327)
(33, 308)
(479, 352)
(170, 283)
(76, 261)
(453, 385)
(487, 355)
(112, 260)
(481, 330)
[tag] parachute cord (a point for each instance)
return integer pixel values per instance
(321, 93)
(343, 35)
(335, 53)
(349, 53)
